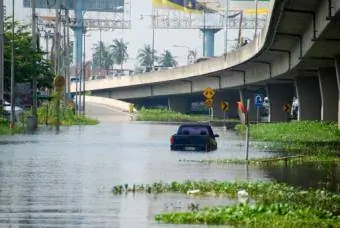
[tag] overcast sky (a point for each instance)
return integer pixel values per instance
(141, 33)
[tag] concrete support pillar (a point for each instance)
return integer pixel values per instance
(230, 96)
(244, 96)
(337, 69)
(279, 95)
(329, 94)
(179, 103)
(308, 94)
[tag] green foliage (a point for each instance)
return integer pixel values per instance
(167, 59)
(168, 116)
(145, 56)
(300, 136)
(48, 114)
(102, 57)
(276, 204)
(27, 60)
(259, 215)
(119, 52)
(6, 130)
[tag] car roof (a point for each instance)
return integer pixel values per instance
(195, 125)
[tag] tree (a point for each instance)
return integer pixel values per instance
(119, 52)
(101, 57)
(27, 60)
(145, 56)
(192, 56)
(167, 59)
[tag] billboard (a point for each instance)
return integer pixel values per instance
(88, 5)
(195, 6)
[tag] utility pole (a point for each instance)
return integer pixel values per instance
(57, 58)
(2, 21)
(67, 50)
(12, 70)
(84, 70)
(34, 117)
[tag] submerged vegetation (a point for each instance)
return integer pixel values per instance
(275, 204)
(307, 137)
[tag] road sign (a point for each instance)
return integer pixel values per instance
(88, 5)
(286, 108)
(208, 103)
(208, 93)
(258, 100)
(224, 105)
(59, 81)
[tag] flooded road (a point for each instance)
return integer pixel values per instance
(66, 179)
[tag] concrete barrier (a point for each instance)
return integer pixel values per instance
(113, 103)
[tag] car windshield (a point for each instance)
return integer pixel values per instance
(193, 130)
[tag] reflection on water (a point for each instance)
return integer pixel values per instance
(308, 175)
(65, 180)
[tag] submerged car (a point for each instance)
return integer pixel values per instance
(194, 137)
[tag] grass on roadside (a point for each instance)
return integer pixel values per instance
(311, 137)
(164, 115)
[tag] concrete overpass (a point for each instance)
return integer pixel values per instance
(297, 53)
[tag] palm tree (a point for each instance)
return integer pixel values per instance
(146, 56)
(167, 59)
(119, 52)
(192, 56)
(102, 57)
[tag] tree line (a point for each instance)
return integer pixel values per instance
(28, 61)
(106, 56)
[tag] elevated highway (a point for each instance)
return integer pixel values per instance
(296, 54)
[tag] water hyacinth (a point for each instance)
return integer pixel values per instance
(261, 191)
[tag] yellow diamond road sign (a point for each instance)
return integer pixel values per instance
(208, 103)
(224, 106)
(208, 93)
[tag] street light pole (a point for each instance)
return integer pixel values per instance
(12, 69)
(100, 51)
(153, 16)
(256, 17)
(226, 24)
(84, 73)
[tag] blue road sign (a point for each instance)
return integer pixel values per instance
(89, 5)
(258, 100)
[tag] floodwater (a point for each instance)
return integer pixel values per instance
(66, 179)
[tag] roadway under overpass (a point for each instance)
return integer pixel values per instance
(297, 53)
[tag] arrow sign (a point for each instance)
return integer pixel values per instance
(224, 106)
(286, 108)
(208, 93)
(258, 101)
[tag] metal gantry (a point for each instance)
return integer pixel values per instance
(57, 27)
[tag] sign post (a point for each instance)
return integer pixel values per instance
(59, 83)
(225, 108)
(209, 93)
(247, 129)
(286, 108)
(258, 104)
